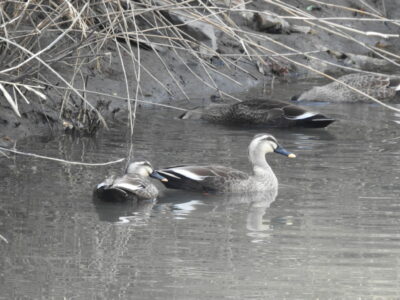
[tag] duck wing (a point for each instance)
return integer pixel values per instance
(369, 80)
(128, 184)
(106, 183)
(276, 113)
(107, 191)
(305, 118)
(380, 87)
(209, 178)
(256, 109)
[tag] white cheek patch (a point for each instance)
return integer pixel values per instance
(148, 171)
(305, 115)
(270, 148)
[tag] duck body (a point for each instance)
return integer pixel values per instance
(381, 87)
(260, 112)
(220, 179)
(135, 184)
(213, 179)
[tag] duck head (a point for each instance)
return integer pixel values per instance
(144, 169)
(317, 93)
(193, 114)
(265, 143)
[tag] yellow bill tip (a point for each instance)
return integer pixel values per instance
(292, 155)
(164, 180)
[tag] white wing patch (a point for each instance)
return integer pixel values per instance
(128, 186)
(168, 174)
(189, 174)
(100, 185)
(303, 116)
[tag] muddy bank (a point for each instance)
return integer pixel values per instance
(209, 58)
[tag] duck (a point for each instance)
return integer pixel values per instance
(135, 184)
(213, 178)
(260, 112)
(381, 87)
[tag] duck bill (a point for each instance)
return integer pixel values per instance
(283, 151)
(158, 176)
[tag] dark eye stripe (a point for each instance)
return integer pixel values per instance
(266, 137)
(271, 139)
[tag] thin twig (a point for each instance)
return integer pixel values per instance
(62, 160)
(3, 238)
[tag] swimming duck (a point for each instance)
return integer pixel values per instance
(381, 87)
(220, 179)
(261, 112)
(135, 184)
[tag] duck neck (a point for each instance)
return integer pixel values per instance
(261, 167)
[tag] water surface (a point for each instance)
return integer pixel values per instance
(332, 231)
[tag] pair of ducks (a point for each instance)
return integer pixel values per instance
(136, 184)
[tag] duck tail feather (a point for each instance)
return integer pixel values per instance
(177, 181)
(184, 116)
(316, 121)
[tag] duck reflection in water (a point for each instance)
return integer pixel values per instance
(134, 212)
(182, 204)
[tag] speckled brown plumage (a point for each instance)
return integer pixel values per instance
(381, 87)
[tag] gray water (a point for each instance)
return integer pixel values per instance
(331, 232)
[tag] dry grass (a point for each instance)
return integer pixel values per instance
(38, 35)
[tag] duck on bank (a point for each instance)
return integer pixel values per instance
(382, 87)
(220, 179)
(260, 112)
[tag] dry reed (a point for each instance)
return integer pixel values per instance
(37, 37)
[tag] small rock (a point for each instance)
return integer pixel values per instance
(362, 62)
(367, 63)
(271, 23)
(6, 141)
(237, 4)
(201, 31)
(382, 44)
(313, 7)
